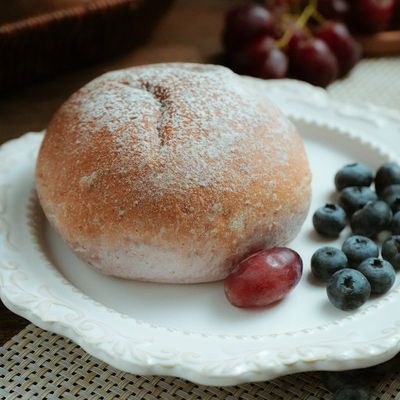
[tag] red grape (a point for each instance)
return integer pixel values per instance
(245, 60)
(264, 278)
(334, 9)
(275, 66)
(344, 47)
(260, 59)
(279, 5)
(298, 36)
(314, 62)
(246, 22)
(374, 15)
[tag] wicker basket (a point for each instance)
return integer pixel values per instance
(67, 34)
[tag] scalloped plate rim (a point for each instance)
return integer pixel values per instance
(243, 373)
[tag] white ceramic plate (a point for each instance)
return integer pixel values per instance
(192, 331)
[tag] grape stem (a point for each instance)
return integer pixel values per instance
(310, 11)
(318, 17)
(306, 15)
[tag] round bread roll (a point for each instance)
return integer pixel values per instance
(172, 173)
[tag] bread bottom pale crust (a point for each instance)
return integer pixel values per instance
(185, 263)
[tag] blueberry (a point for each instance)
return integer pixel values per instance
(391, 196)
(385, 368)
(359, 248)
(373, 218)
(353, 198)
(348, 289)
(390, 191)
(395, 225)
(353, 175)
(380, 274)
(333, 380)
(394, 204)
(352, 392)
(326, 261)
(391, 251)
(387, 174)
(329, 220)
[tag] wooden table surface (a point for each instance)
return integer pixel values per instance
(190, 32)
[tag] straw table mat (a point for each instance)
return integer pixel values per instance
(36, 364)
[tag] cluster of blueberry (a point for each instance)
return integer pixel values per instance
(356, 271)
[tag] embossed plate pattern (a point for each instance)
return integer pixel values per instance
(192, 331)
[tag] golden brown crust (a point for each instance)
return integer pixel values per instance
(176, 162)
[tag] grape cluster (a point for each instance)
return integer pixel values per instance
(308, 40)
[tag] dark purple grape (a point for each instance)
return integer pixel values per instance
(260, 59)
(342, 44)
(334, 9)
(314, 62)
(373, 15)
(246, 22)
(247, 59)
(275, 66)
(298, 36)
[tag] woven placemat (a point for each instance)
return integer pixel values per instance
(374, 81)
(39, 364)
(36, 364)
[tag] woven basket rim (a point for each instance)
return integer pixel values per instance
(61, 14)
